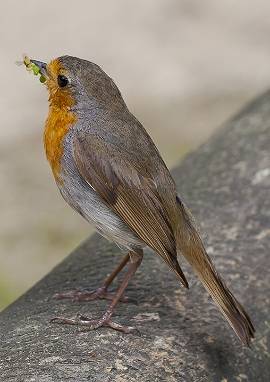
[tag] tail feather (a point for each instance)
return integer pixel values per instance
(192, 248)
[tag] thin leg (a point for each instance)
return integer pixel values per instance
(99, 293)
(115, 272)
(105, 320)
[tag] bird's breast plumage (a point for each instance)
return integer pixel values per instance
(57, 126)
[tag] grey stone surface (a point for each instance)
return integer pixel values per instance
(182, 336)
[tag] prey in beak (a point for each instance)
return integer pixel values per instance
(37, 67)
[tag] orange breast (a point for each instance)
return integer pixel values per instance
(56, 128)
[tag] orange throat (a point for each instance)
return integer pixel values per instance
(59, 120)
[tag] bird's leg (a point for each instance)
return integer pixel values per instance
(105, 320)
(99, 293)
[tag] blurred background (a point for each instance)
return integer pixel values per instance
(183, 66)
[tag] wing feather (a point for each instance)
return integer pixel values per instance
(130, 192)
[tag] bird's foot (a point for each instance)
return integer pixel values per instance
(104, 321)
(88, 295)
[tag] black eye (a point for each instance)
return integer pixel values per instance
(62, 81)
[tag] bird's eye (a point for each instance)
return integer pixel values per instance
(62, 81)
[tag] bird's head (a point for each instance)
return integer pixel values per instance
(76, 83)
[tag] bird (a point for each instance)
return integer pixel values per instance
(109, 170)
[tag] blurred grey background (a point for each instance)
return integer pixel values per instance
(183, 66)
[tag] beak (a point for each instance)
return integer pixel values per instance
(42, 66)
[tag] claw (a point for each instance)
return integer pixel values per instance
(63, 320)
(104, 321)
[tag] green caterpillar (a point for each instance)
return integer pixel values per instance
(33, 68)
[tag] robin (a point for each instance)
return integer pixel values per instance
(108, 169)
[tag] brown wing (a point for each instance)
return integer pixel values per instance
(129, 192)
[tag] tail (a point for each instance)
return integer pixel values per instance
(191, 246)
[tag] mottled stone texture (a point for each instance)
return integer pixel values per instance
(182, 335)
